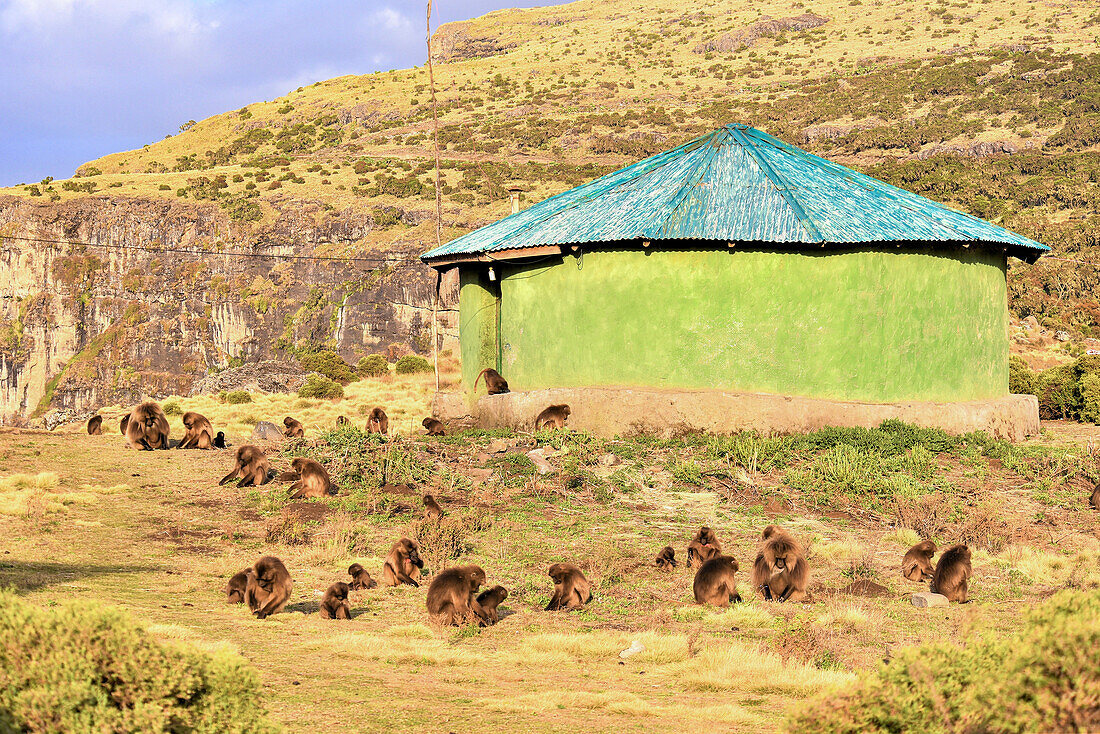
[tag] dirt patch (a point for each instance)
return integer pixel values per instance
(307, 511)
(866, 588)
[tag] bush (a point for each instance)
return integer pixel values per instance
(318, 386)
(411, 364)
(374, 365)
(172, 408)
(86, 668)
(238, 397)
(328, 363)
(1070, 390)
(1046, 677)
(1021, 380)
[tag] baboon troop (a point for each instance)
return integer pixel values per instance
(360, 579)
(435, 427)
(199, 433)
(251, 467)
(552, 417)
(485, 606)
(952, 574)
(294, 428)
(147, 427)
(403, 564)
(219, 440)
(95, 425)
(313, 480)
(715, 582)
(268, 587)
(334, 604)
(917, 563)
(432, 510)
(237, 586)
(378, 422)
(666, 559)
(571, 588)
(703, 547)
(494, 381)
(780, 572)
(452, 594)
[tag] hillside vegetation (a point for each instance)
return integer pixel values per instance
(989, 106)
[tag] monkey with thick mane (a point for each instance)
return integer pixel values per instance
(95, 425)
(334, 604)
(666, 559)
(780, 572)
(403, 564)
(1094, 498)
(495, 383)
(251, 466)
(147, 427)
(313, 480)
(199, 433)
(360, 579)
(294, 428)
(952, 574)
(571, 588)
(269, 587)
(552, 417)
(237, 587)
(378, 422)
(703, 547)
(917, 563)
(451, 594)
(485, 606)
(434, 426)
(715, 582)
(432, 510)
(122, 423)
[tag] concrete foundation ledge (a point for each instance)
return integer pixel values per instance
(607, 411)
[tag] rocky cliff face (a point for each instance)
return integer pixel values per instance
(137, 312)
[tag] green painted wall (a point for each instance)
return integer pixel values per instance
(866, 326)
(478, 309)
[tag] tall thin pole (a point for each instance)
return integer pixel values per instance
(438, 200)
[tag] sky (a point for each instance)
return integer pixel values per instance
(83, 78)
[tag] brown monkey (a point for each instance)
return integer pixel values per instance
(952, 574)
(294, 428)
(199, 433)
(780, 571)
(451, 594)
(313, 480)
(378, 422)
(552, 417)
(432, 510)
(147, 428)
(268, 588)
(485, 606)
(125, 421)
(917, 563)
(360, 579)
(715, 582)
(342, 421)
(494, 381)
(403, 564)
(703, 547)
(251, 466)
(666, 559)
(237, 586)
(435, 427)
(95, 425)
(1094, 500)
(219, 440)
(334, 604)
(571, 588)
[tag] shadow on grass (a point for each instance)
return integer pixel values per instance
(33, 575)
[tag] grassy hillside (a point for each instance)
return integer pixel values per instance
(991, 107)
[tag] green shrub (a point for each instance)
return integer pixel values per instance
(172, 408)
(374, 365)
(86, 668)
(1021, 380)
(328, 363)
(411, 364)
(318, 386)
(238, 397)
(1045, 677)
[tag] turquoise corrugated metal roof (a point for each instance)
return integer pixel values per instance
(735, 184)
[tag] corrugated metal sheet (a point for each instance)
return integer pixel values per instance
(735, 184)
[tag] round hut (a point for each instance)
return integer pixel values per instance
(739, 282)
